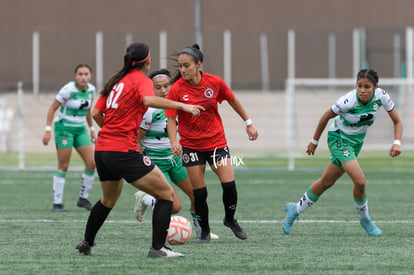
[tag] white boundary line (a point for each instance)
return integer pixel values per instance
(214, 221)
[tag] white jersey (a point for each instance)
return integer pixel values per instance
(353, 118)
(74, 104)
(156, 143)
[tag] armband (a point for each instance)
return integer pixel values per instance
(48, 128)
(397, 142)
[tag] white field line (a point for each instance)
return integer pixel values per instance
(5, 221)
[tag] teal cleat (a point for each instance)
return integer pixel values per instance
(370, 227)
(291, 216)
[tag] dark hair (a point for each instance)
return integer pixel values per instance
(160, 72)
(135, 58)
(369, 74)
(195, 52)
(82, 65)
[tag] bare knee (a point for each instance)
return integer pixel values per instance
(176, 207)
(360, 185)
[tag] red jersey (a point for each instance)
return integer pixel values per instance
(205, 132)
(123, 110)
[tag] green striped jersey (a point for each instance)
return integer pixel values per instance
(156, 143)
(353, 118)
(74, 104)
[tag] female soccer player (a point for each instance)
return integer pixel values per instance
(119, 112)
(354, 113)
(75, 101)
(202, 139)
(153, 138)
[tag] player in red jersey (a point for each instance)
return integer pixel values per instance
(119, 112)
(202, 139)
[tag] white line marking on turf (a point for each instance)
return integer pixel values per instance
(214, 221)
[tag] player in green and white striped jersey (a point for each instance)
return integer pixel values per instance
(74, 101)
(154, 141)
(354, 113)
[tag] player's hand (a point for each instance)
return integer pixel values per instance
(46, 138)
(193, 109)
(311, 148)
(93, 136)
(176, 149)
(252, 132)
(395, 150)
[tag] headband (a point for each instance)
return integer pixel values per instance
(192, 52)
(160, 75)
(143, 60)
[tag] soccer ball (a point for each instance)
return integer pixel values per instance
(180, 230)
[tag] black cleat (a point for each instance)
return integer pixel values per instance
(84, 203)
(204, 238)
(84, 248)
(164, 252)
(58, 207)
(238, 231)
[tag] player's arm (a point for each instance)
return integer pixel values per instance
(98, 116)
(49, 118)
(163, 103)
(319, 130)
(238, 108)
(396, 146)
(176, 147)
(89, 120)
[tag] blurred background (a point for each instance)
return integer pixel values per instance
(255, 46)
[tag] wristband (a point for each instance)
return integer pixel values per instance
(314, 141)
(397, 142)
(48, 128)
(92, 128)
(248, 122)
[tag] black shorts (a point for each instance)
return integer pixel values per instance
(192, 157)
(113, 166)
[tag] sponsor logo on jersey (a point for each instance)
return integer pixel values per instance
(208, 92)
(147, 161)
(185, 97)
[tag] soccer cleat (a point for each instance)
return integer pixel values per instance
(370, 227)
(204, 238)
(84, 248)
(58, 207)
(291, 216)
(84, 203)
(164, 252)
(238, 231)
(213, 236)
(139, 209)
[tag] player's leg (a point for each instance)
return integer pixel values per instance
(223, 168)
(155, 184)
(63, 157)
(354, 171)
(331, 174)
(88, 176)
(111, 190)
(196, 176)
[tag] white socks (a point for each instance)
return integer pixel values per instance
(58, 187)
(86, 183)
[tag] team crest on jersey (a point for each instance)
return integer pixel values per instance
(208, 92)
(375, 106)
(186, 158)
(147, 161)
(346, 153)
(64, 142)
